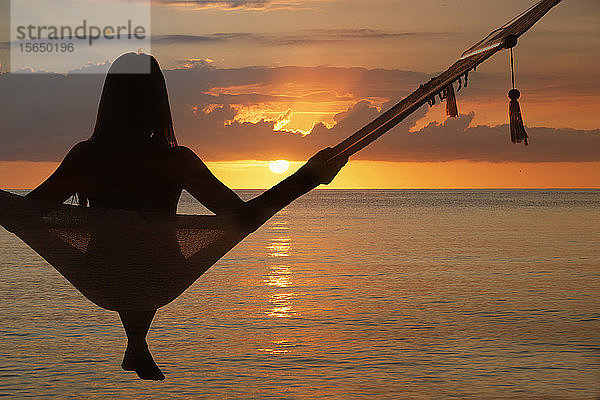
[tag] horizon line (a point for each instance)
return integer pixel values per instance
(411, 188)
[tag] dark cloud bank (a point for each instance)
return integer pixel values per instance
(43, 115)
(230, 4)
(308, 37)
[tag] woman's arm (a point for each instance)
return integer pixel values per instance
(63, 183)
(214, 195)
(200, 182)
(318, 170)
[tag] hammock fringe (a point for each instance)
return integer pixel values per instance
(451, 106)
(517, 129)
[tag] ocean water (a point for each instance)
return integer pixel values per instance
(385, 294)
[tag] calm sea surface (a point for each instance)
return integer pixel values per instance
(343, 295)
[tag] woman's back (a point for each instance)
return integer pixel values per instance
(143, 178)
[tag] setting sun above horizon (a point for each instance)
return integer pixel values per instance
(279, 166)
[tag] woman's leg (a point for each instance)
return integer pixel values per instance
(137, 356)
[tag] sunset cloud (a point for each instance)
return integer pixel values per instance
(267, 113)
(308, 37)
(455, 139)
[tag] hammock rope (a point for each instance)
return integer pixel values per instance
(512, 68)
(517, 126)
(504, 37)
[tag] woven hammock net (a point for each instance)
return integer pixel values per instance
(121, 259)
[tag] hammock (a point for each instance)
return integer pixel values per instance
(502, 38)
(124, 260)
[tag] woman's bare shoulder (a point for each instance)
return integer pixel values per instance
(186, 155)
(79, 152)
(80, 148)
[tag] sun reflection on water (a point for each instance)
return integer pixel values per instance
(279, 247)
(278, 347)
(281, 305)
(279, 275)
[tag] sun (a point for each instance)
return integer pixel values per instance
(279, 166)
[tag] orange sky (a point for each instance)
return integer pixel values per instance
(383, 48)
(371, 175)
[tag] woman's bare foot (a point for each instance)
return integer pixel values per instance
(139, 359)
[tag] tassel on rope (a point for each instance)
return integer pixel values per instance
(442, 95)
(517, 128)
(451, 107)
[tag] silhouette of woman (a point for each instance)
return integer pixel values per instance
(132, 162)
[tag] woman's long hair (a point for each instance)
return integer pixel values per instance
(134, 108)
